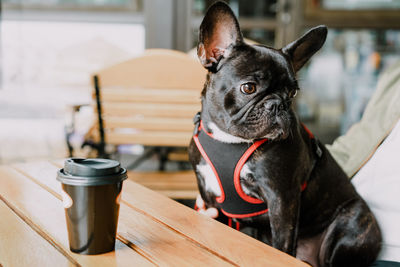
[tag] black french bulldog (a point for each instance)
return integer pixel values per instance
(259, 165)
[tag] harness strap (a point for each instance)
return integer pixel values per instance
(199, 128)
(230, 223)
(226, 161)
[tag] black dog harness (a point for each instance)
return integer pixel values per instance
(227, 166)
(234, 202)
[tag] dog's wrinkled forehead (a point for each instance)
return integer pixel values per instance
(259, 64)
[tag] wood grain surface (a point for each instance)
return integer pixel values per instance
(150, 238)
(153, 229)
(44, 211)
(17, 236)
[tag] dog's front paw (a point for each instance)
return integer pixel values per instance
(201, 208)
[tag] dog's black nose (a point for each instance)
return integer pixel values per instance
(274, 106)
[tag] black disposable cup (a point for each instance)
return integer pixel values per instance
(91, 190)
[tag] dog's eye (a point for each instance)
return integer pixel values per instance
(248, 88)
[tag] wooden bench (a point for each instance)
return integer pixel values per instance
(150, 117)
(150, 100)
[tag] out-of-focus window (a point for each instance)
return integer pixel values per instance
(53, 46)
(360, 4)
(49, 50)
(340, 79)
(75, 4)
(363, 39)
(257, 18)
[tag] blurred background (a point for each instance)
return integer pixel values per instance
(49, 49)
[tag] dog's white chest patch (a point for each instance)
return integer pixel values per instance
(210, 180)
(243, 173)
(224, 137)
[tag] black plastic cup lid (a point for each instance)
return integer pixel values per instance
(89, 172)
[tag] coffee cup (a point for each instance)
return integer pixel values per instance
(91, 192)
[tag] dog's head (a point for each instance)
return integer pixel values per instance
(250, 88)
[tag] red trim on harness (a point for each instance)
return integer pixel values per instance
(239, 216)
(221, 198)
(230, 224)
(244, 215)
(238, 226)
(204, 129)
(236, 176)
(310, 134)
(303, 186)
(238, 168)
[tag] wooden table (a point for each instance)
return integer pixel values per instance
(152, 229)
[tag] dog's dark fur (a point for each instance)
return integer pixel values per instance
(328, 224)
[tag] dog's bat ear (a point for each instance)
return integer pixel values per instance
(219, 32)
(301, 50)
